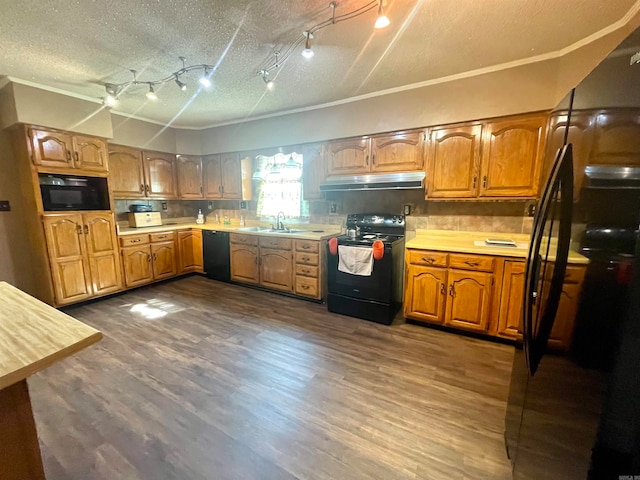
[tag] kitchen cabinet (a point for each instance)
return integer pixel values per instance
(512, 152)
(454, 161)
(190, 179)
(307, 268)
(148, 257)
(83, 255)
(511, 299)
(276, 264)
(53, 148)
(140, 174)
(616, 137)
(454, 290)
(314, 171)
(244, 258)
(222, 176)
(391, 152)
(190, 251)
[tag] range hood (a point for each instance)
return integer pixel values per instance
(381, 181)
(612, 177)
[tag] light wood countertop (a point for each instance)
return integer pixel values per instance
(466, 242)
(34, 335)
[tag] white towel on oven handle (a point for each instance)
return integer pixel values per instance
(355, 260)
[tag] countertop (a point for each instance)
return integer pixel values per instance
(311, 232)
(465, 242)
(34, 335)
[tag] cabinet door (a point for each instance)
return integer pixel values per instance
(425, 293)
(190, 177)
(511, 297)
(468, 305)
(126, 174)
(512, 151)
(65, 244)
(244, 264)
(349, 156)
(231, 176)
(276, 269)
(454, 159)
(160, 174)
(562, 331)
(102, 252)
(398, 152)
(580, 135)
(136, 262)
(90, 153)
(314, 171)
(616, 139)
(212, 176)
(51, 149)
(189, 251)
(163, 256)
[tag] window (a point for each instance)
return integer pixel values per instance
(280, 188)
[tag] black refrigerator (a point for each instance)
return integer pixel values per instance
(576, 414)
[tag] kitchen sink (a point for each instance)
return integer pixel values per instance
(254, 229)
(270, 230)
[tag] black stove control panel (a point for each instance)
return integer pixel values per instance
(383, 220)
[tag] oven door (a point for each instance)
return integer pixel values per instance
(377, 287)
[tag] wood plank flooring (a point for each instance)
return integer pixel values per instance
(197, 379)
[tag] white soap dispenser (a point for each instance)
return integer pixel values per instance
(200, 217)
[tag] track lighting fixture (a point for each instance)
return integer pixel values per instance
(151, 94)
(113, 90)
(307, 52)
(267, 80)
(382, 20)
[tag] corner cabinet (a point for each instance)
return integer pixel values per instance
(53, 148)
(83, 254)
(391, 152)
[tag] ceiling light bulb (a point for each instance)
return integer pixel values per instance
(110, 100)
(307, 52)
(270, 84)
(204, 79)
(382, 21)
(181, 85)
(151, 95)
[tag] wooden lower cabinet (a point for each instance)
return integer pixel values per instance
(562, 331)
(308, 268)
(511, 299)
(276, 269)
(83, 255)
(425, 289)
(136, 262)
(469, 302)
(147, 258)
(190, 251)
(163, 260)
(244, 263)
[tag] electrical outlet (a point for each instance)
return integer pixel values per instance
(243, 205)
(5, 206)
(406, 209)
(531, 209)
(165, 206)
(333, 208)
(210, 205)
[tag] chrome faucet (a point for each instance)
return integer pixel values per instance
(279, 224)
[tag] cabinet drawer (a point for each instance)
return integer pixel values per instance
(279, 243)
(427, 258)
(307, 246)
(574, 274)
(307, 258)
(307, 286)
(162, 237)
(471, 262)
(307, 270)
(243, 239)
(131, 240)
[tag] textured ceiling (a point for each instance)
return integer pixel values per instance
(77, 46)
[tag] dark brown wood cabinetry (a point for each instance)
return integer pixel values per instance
(140, 174)
(53, 148)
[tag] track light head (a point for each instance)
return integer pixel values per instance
(181, 85)
(382, 20)
(151, 94)
(204, 79)
(266, 79)
(307, 52)
(109, 100)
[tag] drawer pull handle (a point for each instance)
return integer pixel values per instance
(305, 259)
(137, 240)
(472, 264)
(306, 247)
(306, 287)
(428, 259)
(304, 270)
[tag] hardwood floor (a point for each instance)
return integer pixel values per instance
(197, 379)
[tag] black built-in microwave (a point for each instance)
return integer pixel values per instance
(72, 192)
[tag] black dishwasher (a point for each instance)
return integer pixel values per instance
(216, 255)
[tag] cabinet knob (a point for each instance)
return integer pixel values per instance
(452, 291)
(155, 256)
(149, 258)
(141, 188)
(442, 289)
(86, 230)
(146, 188)
(79, 229)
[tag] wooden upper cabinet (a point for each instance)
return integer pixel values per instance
(314, 171)
(66, 150)
(126, 174)
(580, 136)
(102, 252)
(512, 155)
(399, 151)
(51, 149)
(453, 161)
(160, 175)
(348, 156)
(468, 305)
(212, 176)
(231, 175)
(511, 299)
(190, 177)
(90, 153)
(616, 138)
